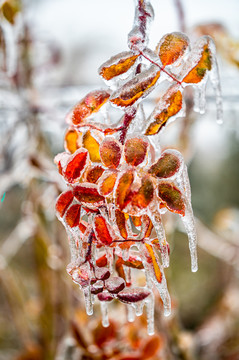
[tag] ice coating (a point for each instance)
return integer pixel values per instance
(119, 182)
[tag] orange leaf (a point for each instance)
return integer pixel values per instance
(151, 347)
(166, 166)
(117, 65)
(145, 194)
(110, 152)
(121, 223)
(107, 183)
(169, 106)
(73, 215)
(102, 230)
(199, 71)
(151, 258)
(71, 140)
(172, 197)
(102, 261)
(89, 143)
(63, 201)
(136, 220)
(90, 104)
(123, 189)
(140, 86)
(75, 166)
(172, 47)
(133, 262)
(88, 194)
(94, 173)
(135, 151)
(147, 226)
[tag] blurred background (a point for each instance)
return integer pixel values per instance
(50, 51)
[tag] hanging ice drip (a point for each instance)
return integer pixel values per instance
(118, 183)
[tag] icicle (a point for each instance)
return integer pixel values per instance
(215, 80)
(200, 97)
(150, 313)
(155, 217)
(125, 254)
(73, 248)
(130, 313)
(127, 271)
(110, 258)
(161, 286)
(104, 313)
(139, 307)
(189, 222)
(88, 300)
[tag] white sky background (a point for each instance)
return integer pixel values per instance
(88, 32)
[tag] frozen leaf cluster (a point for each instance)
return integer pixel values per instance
(118, 183)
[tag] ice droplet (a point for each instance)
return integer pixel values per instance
(104, 313)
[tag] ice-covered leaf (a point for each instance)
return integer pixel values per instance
(89, 143)
(107, 183)
(103, 231)
(133, 262)
(172, 197)
(147, 226)
(172, 47)
(101, 261)
(167, 165)
(105, 296)
(140, 86)
(136, 220)
(110, 152)
(102, 273)
(169, 106)
(133, 295)
(152, 260)
(123, 189)
(203, 64)
(121, 223)
(144, 195)
(115, 284)
(135, 150)
(75, 166)
(90, 104)
(72, 217)
(94, 173)
(97, 288)
(63, 202)
(88, 194)
(117, 65)
(71, 140)
(81, 275)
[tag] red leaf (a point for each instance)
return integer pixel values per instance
(110, 152)
(123, 189)
(102, 230)
(75, 166)
(172, 197)
(115, 284)
(151, 347)
(94, 173)
(63, 201)
(73, 215)
(88, 194)
(133, 295)
(105, 296)
(166, 166)
(90, 104)
(135, 151)
(142, 198)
